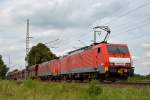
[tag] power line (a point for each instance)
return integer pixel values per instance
(82, 42)
(127, 25)
(131, 29)
(52, 41)
(136, 24)
(128, 12)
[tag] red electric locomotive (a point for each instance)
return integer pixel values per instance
(101, 61)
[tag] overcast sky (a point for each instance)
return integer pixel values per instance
(71, 21)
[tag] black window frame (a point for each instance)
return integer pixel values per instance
(99, 50)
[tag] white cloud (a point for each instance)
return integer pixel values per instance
(146, 63)
(146, 45)
(63, 13)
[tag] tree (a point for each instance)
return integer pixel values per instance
(38, 54)
(3, 69)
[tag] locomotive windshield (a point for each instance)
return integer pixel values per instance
(118, 49)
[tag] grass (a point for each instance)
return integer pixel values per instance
(35, 90)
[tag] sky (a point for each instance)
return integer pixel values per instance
(72, 22)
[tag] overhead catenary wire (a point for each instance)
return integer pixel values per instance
(128, 26)
(127, 13)
(131, 29)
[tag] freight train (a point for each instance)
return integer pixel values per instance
(102, 61)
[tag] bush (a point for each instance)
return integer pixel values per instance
(94, 88)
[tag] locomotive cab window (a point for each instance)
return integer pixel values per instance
(98, 50)
(118, 49)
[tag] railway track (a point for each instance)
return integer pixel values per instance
(142, 84)
(139, 84)
(113, 84)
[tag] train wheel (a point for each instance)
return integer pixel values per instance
(102, 77)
